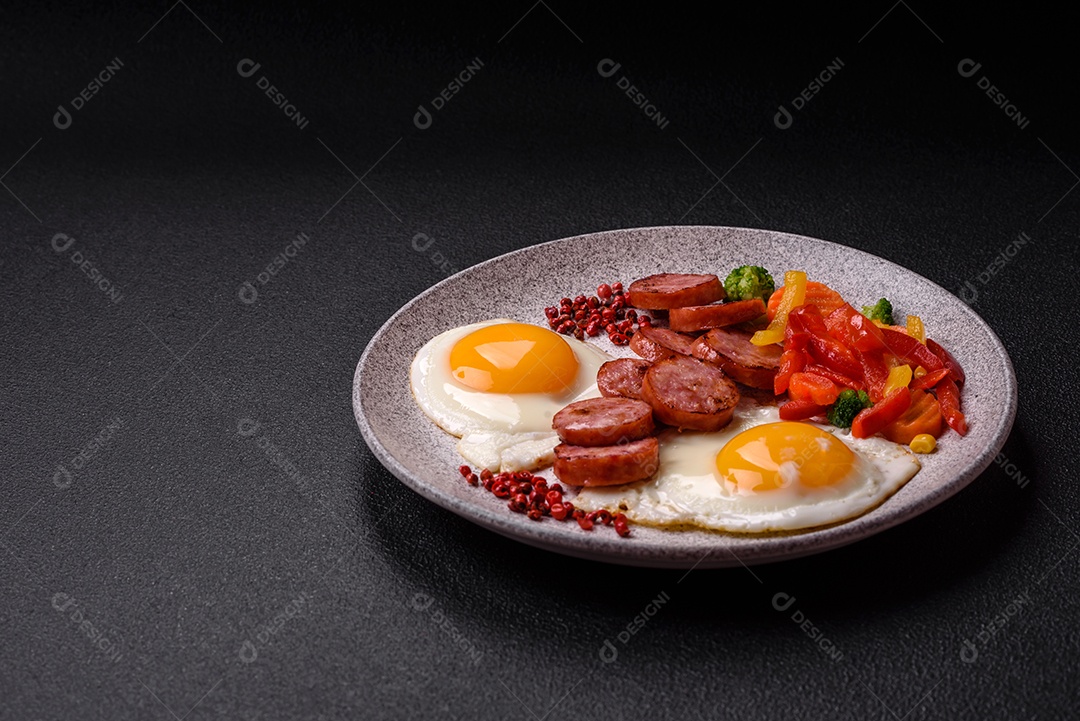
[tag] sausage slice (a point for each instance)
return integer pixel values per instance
(655, 344)
(704, 352)
(674, 290)
(603, 421)
(686, 393)
(749, 364)
(622, 377)
(607, 465)
(702, 317)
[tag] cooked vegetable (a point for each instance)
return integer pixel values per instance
(955, 371)
(791, 362)
(874, 371)
(923, 417)
(923, 443)
(847, 406)
(794, 293)
(823, 347)
(916, 329)
(800, 410)
(838, 378)
(748, 282)
(949, 396)
(864, 334)
(874, 419)
(880, 311)
(926, 381)
(899, 377)
(817, 294)
(908, 349)
(813, 388)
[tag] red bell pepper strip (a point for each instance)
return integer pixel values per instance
(838, 323)
(874, 372)
(791, 362)
(911, 350)
(801, 410)
(947, 359)
(825, 349)
(796, 340)
(873, 419)
(838, 378)
(949, 397)
(807, 318)
(864, 334)
(929, 380)
(834, 355)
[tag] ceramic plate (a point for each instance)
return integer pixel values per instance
(518, 285)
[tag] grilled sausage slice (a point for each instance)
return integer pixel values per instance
(718, 315)
(621, 378)
(603, 421)
(749, 364)
(674, 290)
(655, 344)
(687, 393)
(607, 465)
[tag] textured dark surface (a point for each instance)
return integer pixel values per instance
(181, 540)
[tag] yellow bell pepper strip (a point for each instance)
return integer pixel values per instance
(916, 329)
(794, 295)
(899, 377)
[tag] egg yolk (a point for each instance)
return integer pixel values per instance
(778, 455)
(514, 358)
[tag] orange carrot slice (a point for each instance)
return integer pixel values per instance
(825, 298)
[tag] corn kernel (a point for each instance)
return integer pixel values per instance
(920, 372)
(923, 443)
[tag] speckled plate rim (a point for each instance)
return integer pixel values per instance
(712, 550)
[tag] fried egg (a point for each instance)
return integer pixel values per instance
(497, 384)
(760, 474)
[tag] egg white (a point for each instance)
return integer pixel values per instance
(686, 490)
(498, 431)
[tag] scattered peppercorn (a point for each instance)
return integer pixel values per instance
(606, 311)
(533, 496)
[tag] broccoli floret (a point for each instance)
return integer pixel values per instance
(747, 282)
(847, 406)
(880, 311)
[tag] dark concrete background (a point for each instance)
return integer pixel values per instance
(178, 568)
